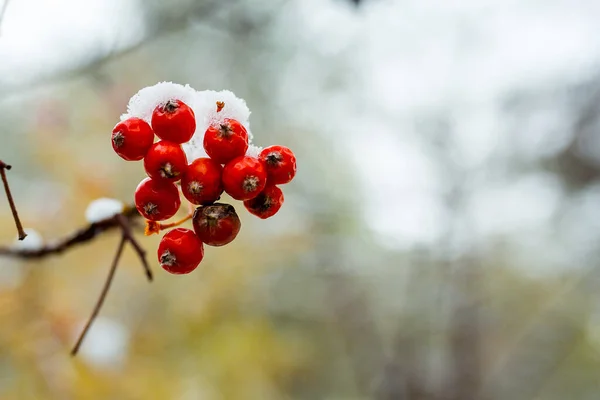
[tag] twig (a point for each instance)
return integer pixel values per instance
(124, 223)
(11, 202)
(80, 236)
(103, 294)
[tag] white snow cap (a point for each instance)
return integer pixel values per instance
(203, 103)
(143, 103)
(253, 151)
(103, 208)
(233, 108)
(32, 242)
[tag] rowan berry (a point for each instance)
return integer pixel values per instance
(157, 200)
(280, 162)
(267, 203)
(217, 224)
(244, 177)
(225, 141)
(174, 121)
(165, 160)
(201, 183)
(132, 138)
(180, 251)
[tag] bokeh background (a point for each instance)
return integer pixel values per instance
(440, 241)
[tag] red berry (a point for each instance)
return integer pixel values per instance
(244, 177)
(132, 138)
(166, 161)
(201, 183)
(226, 141)
(180, 251)
(174, 121)
(280, 162)
(267, 203)
(217, 224)
(157, 200)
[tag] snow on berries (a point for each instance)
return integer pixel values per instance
(199, 144)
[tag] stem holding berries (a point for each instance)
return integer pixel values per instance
(11, 202)
(154, 227)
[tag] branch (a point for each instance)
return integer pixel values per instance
(103, 294)
(126, 228)
(80, 236)
(11, 202)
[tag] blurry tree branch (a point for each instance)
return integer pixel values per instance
(103, 294)
(78, 237)
(11, 202)
(160, 19)
(85, 235)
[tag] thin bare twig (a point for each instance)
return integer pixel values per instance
(11, 202)
(103, 294)
(80, 236)
(124, 223)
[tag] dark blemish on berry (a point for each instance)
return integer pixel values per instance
(250, 184)
(262, 203)
(274, 158)
(171, 106)
(225, 130)
(118, 139)
(166, 171)
(195, 187)
(167, 258)
(150, 209)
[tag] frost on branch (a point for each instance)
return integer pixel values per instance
(203, 103)
(32, 242)
(103, 208)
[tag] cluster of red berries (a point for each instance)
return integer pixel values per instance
(227, 168)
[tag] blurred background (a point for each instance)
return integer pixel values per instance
(440, 241)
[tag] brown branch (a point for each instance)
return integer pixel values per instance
(107, 283)
(11, 202)
(80, 236)
(85, 235)
(124, 223)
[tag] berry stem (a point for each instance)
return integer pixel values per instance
(100, 302)
(153, 227)
(11, 202)
(126, 229)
